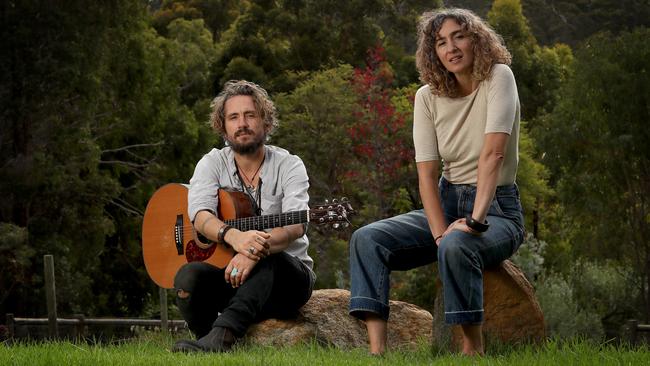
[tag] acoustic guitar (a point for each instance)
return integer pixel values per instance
(169, 240)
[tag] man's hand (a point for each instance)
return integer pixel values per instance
(252, 244)
(244, 266)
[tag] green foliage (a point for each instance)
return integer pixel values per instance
(101, 105)
(592, 299)
(596, 147)
(609, 290)
(240, 68)
(381, 138)
(507, 18)
(530, 257)
(15, 258)
(571, 21)
(216, 13)
(319, 123)
(94, 101)
(417, 286)
(532, 179)
(52, 99)
(564, 316)
(539, 71)
(192, 52)
(314, 122)
(292, 36)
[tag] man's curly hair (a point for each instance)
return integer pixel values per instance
(487, 45)
(263, 104)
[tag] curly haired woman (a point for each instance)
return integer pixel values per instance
(466, 121)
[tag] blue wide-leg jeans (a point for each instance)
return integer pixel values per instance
(405, 242)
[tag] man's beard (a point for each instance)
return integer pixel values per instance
(247, 148)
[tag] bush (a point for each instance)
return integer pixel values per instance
(607, 289)
(564, 316)
(592, 300)
(529, 258)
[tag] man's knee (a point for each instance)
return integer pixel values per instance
(188, 275)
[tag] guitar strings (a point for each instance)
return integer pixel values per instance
(251, 222)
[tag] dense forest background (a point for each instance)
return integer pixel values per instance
(102, 103)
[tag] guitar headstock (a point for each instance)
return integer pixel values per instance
(334, 214)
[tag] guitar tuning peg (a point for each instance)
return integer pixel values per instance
(344, 199)
(346, 224)
(327, 201)
(335, 225)
(335, 201)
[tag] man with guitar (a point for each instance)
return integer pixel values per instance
(270, 274)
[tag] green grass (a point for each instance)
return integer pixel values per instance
(154, 350)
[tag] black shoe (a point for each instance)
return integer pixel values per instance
(219, 339)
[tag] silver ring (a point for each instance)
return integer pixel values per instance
(251, 250)
(233, 273)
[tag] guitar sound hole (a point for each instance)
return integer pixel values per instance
(195, 253)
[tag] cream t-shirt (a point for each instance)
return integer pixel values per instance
(453, 129)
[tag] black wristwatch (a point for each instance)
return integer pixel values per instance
(475, 225)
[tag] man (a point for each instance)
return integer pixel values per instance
(271, 273)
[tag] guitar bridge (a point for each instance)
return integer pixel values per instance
(178, 234)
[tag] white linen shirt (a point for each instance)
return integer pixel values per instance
(284, 188)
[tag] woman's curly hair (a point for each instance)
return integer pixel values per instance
(263, 105)
(487, 45)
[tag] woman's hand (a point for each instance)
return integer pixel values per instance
(252, 244)
(239, 269)
(461, 225)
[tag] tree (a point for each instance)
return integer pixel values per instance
(381, 139)
(157, 134)
(571, 21)
(52, 93)
(353, 132)
(97, 110)
(315, 118)
(539, 71)
(595, 143)
(271, 40)
(217, 14)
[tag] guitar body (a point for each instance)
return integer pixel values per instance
(169, 240)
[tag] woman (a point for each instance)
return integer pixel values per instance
(466, 118)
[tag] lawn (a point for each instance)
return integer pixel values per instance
(155, 351)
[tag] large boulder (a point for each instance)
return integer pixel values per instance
(511, 312)
(325, 319)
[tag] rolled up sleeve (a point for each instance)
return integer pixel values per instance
(204, 184)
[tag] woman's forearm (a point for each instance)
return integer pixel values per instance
(428, 184)
(489, 166)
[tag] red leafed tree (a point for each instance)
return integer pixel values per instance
(381, 138)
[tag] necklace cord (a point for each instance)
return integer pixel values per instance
(249, 180)
(257, 203)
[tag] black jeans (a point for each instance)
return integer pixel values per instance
(276, 288)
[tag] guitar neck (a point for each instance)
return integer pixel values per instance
(269, 221)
